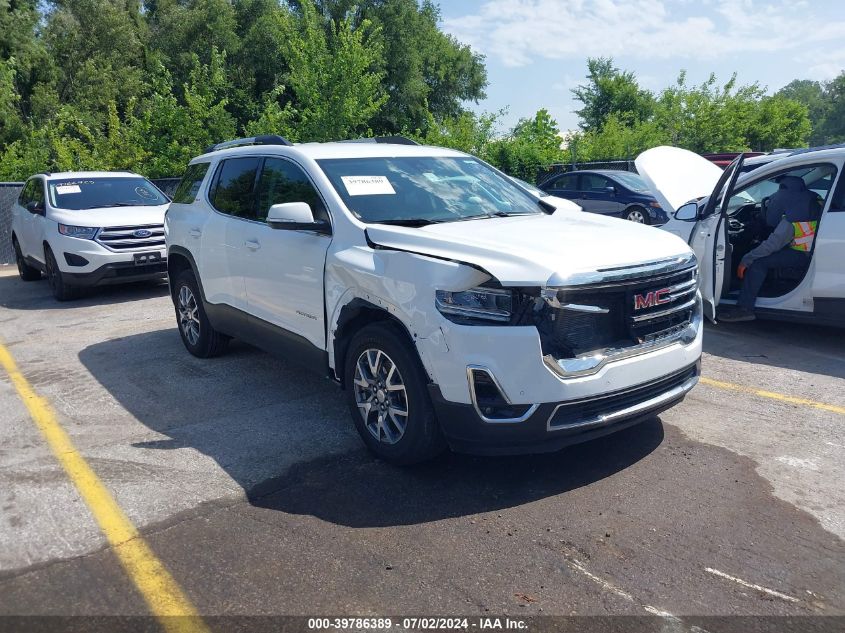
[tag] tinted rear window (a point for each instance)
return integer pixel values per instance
(234, 189)
(189, 187)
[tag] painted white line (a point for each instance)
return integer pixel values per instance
(600, 581)
(577, 566)
(751, 585)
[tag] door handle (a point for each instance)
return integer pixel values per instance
(194, 232)
(252, 245)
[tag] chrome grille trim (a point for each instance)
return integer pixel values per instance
(663, 313)
(122, 238)
(589, 364)
(624, 275)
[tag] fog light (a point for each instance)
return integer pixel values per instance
(75, 260)
(489, 399)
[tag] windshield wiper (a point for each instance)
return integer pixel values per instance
(409, 222)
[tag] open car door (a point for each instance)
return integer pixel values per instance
(709, 239)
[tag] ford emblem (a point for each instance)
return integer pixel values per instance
(142, 233)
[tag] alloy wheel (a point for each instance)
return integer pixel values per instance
(188, 315)
(381, 396)
(637, 216)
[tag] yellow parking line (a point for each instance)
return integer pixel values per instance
(773, 395)
(157, 586)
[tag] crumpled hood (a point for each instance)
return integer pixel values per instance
(111, 216)
(537, 250)
(676, 176)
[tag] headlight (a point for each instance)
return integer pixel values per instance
(82, 232)
(486, 304)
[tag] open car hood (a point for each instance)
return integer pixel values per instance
(676, 176)
(537, 250)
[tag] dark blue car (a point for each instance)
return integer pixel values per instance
(609, 192)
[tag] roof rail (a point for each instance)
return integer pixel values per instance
(395, 140)
(819, 148)
(265, 139)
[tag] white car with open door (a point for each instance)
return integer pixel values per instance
(721, 215)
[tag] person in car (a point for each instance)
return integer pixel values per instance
(794, 212)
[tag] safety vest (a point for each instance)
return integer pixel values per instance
(803, 235)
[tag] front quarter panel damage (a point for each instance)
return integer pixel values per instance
(401, 283)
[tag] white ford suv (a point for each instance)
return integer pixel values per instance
(454, 307)
(88, 229)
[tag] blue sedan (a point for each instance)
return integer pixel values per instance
(609, 192)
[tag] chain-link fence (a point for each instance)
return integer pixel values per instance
(9, 192)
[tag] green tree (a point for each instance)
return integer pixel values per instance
(533, 144)
(334, 79)
(426, 70)
(466, 132)
(811, 94)
(833, 126)
(11, 122)
(98, 49)
(611, 91)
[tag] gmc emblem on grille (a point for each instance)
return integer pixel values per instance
(653, 298)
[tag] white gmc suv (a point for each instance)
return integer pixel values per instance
(454, 307)
(89, 228)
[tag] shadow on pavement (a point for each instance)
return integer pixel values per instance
(286, 438)
(357, 491)
(35, 295)
(807, 348)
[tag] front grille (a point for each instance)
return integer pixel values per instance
(123, 238)
(586, 412)
(618, 315)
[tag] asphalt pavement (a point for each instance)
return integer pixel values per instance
(247, 481)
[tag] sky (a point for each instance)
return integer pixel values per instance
(536, 50)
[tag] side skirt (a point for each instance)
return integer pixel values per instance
(268, 337)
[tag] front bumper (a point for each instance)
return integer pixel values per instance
(117, 273)
(554, 425)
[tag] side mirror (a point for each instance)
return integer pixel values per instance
(687, 212)
(36, 208)
(611, 190)
(295, 216)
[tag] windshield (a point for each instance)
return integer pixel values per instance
(634, 182)
(531, 188)
(77, 194)
(425, 190)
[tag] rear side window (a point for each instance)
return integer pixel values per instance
(283, 181)
(189, 186)
(566, 183)
(593, 182)
(37, 192)
(26, 193)
(234, 190)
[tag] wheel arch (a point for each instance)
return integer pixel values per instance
(355, 315)
(180, 259)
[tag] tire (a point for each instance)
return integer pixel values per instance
(62, 291)
(199, 338)
(27, 272)
(382, 370)
(636, 214)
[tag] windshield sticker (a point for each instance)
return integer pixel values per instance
(367, 185)
(145, 193)
(63, 189)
